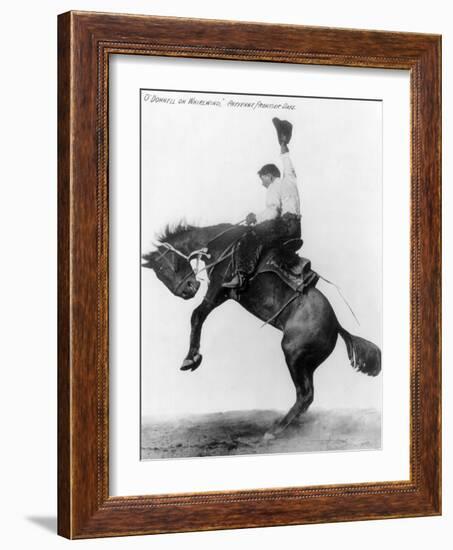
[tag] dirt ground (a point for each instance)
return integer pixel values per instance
(241, 433)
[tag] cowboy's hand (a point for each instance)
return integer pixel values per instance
(250, 219)
(283, 139)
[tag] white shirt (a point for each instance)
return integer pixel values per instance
(282, 194)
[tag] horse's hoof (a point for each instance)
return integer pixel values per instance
(268, 436)
(192, 364)
(187, 364)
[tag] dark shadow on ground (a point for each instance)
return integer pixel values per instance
(241, 432)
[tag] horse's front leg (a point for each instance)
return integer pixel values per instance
(194, 357)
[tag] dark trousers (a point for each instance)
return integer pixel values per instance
(263, 236)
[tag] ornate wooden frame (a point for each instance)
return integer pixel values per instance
(85, 41)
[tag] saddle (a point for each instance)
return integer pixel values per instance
(293, 270)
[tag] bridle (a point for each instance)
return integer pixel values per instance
(198, 254)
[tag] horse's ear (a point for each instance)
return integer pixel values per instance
(148, 260)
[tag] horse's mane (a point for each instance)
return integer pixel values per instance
(179, 234)
(173, 230)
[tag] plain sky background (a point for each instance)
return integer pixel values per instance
(28, 290)
(200, 163)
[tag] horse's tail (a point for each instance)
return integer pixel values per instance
(363, 355)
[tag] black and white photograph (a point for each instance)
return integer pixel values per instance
(261, 279)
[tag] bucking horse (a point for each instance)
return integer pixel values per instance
(282, 293)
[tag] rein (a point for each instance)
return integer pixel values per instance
(196, 253)
(199, 254)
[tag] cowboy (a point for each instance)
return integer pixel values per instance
(279, 222)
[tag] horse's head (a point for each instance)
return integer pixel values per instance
(173, 270)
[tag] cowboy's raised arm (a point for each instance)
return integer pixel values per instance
(288, 168)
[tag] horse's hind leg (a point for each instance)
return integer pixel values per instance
(310, 335)
(302, 365)
(304, 398)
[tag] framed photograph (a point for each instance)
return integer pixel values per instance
(249, 275)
